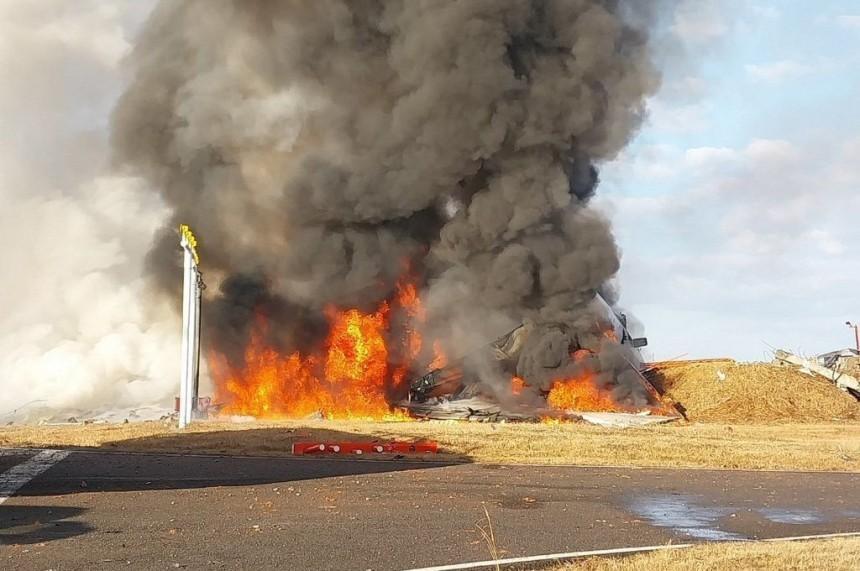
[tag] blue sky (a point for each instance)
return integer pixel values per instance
(736, 206)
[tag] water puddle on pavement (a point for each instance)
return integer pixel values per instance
(693, 516)
(791, 516)
(682, 514)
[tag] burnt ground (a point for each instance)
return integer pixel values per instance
(96, 510)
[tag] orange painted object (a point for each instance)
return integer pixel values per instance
(303, 448)
(412, 447)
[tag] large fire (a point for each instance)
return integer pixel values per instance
(350, 379)
(365, 361)
(580, 394)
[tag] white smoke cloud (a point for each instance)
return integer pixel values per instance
(77, 330)
(74, 332)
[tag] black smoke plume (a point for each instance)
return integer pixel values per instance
(315, 146)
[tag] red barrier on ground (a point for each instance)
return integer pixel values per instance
(301, 448)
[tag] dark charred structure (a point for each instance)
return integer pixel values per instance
(451, 392)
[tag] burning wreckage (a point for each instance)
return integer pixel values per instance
(376, 179)
(451, 392)
(538, 371)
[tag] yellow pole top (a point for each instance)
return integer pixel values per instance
(190, 240)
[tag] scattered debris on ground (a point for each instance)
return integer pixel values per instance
(597, 374)
(841, 378)
(375, 447)
(723, 390)
(624, 420)
(771, 446)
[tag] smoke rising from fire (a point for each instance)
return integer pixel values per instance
(79, 330)
(318, 148)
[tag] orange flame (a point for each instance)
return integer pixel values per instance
(410, 303)
(355, 372)
(440, 359)
(350, 382)
(581, 394)
(581, 355)
(517, 385)
(351, 378)
(272, 385)
(611, 335)
(357, 362)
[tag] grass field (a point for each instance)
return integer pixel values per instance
(831, 554)
(777, 446)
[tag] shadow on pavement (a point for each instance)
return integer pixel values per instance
(186, 461)
(25, 525)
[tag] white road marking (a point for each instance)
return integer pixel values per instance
(13, 479)
(818, 536)
(618, 551)
(552, 557)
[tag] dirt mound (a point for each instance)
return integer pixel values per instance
(722, 390)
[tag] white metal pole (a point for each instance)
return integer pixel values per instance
(192, 347)
(195, 353)
(187, 292)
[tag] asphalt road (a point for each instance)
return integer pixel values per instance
(142, 511)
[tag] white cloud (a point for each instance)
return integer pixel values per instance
(771, 151)
(92, 28)
(649, 163)
(826, 242)
(699, 21)
(847, 157)
(778, 70)
(709, 157)
(850, 21)
(729, 243)
(767, 11)
(747, 235)
(678, 119)
(686, 88)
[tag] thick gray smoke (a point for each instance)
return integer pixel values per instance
(317, 147)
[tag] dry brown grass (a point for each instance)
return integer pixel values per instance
(831, 554)
(779, 446)
(727, 391)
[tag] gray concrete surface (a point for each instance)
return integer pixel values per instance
(142, 511)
